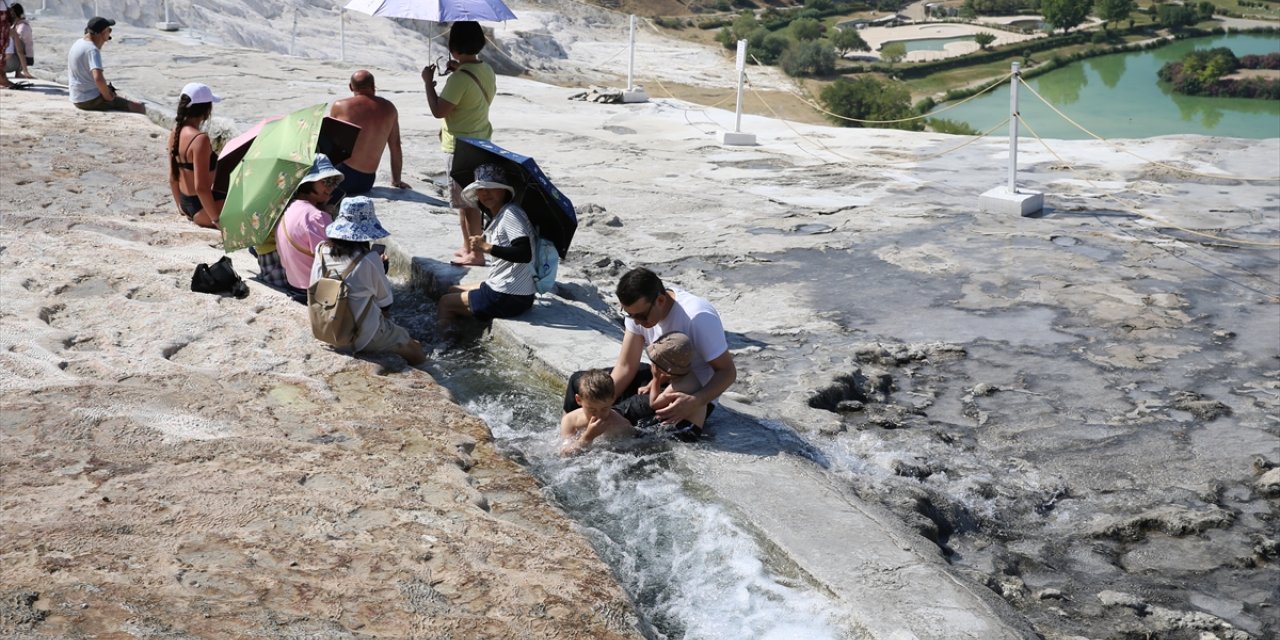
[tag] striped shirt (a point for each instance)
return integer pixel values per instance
(514, 278)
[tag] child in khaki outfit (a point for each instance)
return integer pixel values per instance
(672, 357)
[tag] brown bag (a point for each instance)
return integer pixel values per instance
(329, 305)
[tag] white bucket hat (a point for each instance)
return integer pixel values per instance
(199, 93)
(322, 168)
(488, 176)
(356, 222)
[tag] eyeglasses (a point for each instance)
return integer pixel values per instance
(442, 66)
(641, 317)
(332, 181)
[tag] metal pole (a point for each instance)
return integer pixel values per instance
(1013, 128)
(166, 11)
(631, 62)
(95, 8)
(342, 34)
(293, 39)
(742, 73)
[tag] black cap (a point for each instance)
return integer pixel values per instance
(98, 24)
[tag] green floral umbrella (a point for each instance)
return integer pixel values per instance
(263, 182)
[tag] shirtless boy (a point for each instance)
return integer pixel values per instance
(594, 417)
(379, 124)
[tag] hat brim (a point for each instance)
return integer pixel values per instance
(329, 173)
(469, 192)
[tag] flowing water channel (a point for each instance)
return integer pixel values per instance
(694, 571)
(1119, 96)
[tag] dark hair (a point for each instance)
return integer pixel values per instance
(17, 10)
(595, 384)
(466, 37)
(639, 283)
(186, 111)
(343, 248)
(304, 189)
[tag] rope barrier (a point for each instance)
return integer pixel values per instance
(1133, 208)
(1217, 176)
(824, 147)
(995, 84)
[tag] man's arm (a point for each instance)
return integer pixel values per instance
(397, 157)
(105, 89)
(628, 364)
(683, 404)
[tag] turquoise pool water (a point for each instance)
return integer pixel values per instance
(1119, 96)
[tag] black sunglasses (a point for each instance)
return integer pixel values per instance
(641, 317)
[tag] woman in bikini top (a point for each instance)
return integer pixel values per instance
(192, 161)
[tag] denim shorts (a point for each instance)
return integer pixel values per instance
(487, 304)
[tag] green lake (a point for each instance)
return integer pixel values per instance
(1119, 96)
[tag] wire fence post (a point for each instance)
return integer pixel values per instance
(632, 93)
(167, 24)
(293, 39)
(342, 34)
(736, 137)
(1013, 128)
(1007, 199)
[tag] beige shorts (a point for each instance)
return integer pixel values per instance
(455, 190)
(390, 338)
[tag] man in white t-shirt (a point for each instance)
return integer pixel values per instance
(651, 310)
(86, 84)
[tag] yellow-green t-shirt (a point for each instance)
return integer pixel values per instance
(470, 117)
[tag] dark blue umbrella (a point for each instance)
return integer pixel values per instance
(548, 209)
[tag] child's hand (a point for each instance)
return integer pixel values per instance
(572, 447)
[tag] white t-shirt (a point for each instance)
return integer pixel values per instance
(697, 319)
(366, 284)
(515, 278)
(82, 59)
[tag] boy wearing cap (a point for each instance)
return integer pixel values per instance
(86, 84)
(671, 358)
(302, 226)
(368, 289)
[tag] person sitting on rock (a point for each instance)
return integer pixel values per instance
(594, 417)
(509, 290)
(302, 226)
(86, 84)
(349, 238)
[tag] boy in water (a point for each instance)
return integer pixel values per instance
(672, 358)
(595, 416)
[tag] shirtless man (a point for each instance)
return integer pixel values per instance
(379, 124)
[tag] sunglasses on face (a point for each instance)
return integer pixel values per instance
(641, 317)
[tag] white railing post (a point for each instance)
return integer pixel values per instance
(737, 137)
(1013, 128)
(631, 60)
(741, 66)
(342, 34)
(293, 39)
(1007, 199)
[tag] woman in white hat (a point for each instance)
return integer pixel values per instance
(302, 225)
(349, 238)
(509, 290)
(192, 160)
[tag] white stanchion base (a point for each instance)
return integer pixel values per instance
(167, 26)
(1021, 202)
(634, 95)
(737, 138)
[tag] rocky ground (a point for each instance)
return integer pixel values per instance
(176, 464)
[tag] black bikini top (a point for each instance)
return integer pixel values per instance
(189, 166)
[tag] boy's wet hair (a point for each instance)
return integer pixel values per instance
(595, 384)
(637, 284)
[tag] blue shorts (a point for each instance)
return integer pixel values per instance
(487, 304)
(355, 182)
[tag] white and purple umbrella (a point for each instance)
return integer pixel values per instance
(435, 10)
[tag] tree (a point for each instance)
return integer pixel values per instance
(808, 58)
(1114, 10)
(806, 29)
(766, 45)
(818, 5)
(866, 98)
(893, 52)
(1065, 14)
(1176, 16)
(983, 39)
(846, 40)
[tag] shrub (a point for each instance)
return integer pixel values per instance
(806, 29)
(984, 39)
(866, 98)
(808, 58)
(943, 125)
